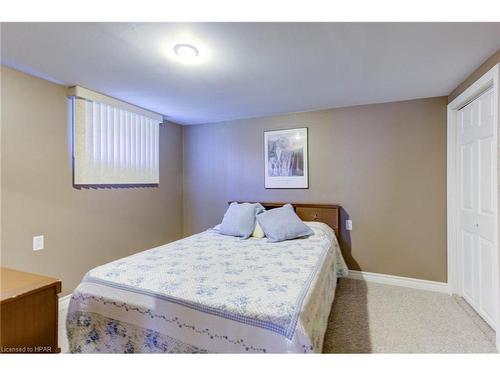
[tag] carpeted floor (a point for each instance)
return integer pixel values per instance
(376, 318)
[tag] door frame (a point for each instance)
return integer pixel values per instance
(489, 80)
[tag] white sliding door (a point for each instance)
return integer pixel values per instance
(478, 206)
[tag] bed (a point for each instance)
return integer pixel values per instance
(213, 293)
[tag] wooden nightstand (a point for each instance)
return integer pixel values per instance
(28, 314)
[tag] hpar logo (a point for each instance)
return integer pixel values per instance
(43, 349)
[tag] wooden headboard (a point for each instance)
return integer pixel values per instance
(326, 213)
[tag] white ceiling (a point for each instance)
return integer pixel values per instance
(252, 69)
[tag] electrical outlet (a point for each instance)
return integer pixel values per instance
(348, 224)
(37, 243)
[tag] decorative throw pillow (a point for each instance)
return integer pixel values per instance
(258, 232)
(280, 224)
(239, 219)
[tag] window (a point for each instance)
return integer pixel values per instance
(113, 142)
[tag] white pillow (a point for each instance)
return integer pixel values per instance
(258, 232)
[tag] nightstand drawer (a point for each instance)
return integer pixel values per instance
(29, 313)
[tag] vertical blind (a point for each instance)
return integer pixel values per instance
(114, 145)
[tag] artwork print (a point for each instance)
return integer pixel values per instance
(286, 154)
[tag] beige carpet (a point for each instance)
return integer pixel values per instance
(376, 318)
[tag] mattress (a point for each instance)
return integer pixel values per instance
(210, 293)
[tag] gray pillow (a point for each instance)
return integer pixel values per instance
(239, 219)
(280, 224)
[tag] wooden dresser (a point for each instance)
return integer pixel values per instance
(28, 314)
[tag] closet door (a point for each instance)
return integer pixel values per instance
(477, 163)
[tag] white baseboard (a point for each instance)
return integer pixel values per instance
(433, 286)
(64, 302)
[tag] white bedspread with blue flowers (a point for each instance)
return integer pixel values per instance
(210, 293)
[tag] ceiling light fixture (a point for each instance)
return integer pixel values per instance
(186, 51)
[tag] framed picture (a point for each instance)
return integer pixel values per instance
(286, 159)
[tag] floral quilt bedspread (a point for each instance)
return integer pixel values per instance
(232, 286)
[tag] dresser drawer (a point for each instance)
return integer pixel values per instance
(28, 313)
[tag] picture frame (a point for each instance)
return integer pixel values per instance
(286, 158)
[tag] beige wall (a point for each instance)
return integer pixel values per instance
(83, 228)
(385, 163)
(475, 75)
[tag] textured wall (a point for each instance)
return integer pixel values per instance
(83, 228)
(385, 163)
